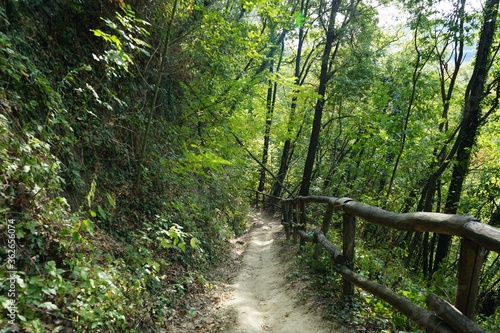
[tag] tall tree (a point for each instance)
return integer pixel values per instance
(270, 105)
(471, 119)
(324, 77)
(299, 75)
(449, 55)
(448, 77)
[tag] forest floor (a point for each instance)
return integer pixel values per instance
(255, 296)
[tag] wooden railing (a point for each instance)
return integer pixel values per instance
(266, 201)
(476, 237)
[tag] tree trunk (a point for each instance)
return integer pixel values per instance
(270, 104)
(427, 201)
(149, 115)
(285, 155)
(320, 102)
(267, 132)
(469, 129)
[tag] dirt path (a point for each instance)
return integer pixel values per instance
(259, 300)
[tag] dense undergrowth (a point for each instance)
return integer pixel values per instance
(87, 249)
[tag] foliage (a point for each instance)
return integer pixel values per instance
(362, 312)
(120, 54)
(92, 255)
(77, 82)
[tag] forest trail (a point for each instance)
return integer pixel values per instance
(259, 300)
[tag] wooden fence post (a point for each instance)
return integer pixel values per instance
(469, 272)
(349, 225)
(327, 219)
(303, 222)
(285, 218)
(296, 219)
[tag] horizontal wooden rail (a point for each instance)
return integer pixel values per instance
(272, 201)
(449, 224)
(458, 322)
(476, 237)
(427, 320)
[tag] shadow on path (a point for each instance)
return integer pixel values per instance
(259, 299)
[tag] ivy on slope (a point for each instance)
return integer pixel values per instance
(71, 273)
(89, 255)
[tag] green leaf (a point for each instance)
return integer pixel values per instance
(6, 302)
(194, 242)
(90, 195)
(97, 32)
(88, 226)
(155, 265)
(102, 213)
(299, 19)
(48, 306)
(165, 243)
(20, 233)
(75, 235)
(111, 200)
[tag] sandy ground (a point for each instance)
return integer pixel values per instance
(260, 299)
(255, 297)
